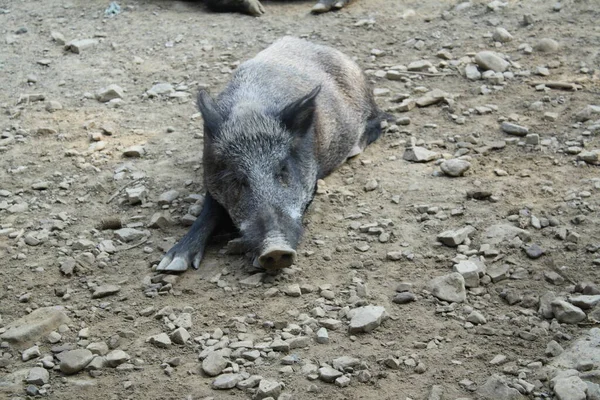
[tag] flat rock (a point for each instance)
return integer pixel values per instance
(490, 60)
(366, 319)
(134, 151)
(431, 97)
(499, 233)
(105, 290)
(345, 362)
(585, 302)
(496, 388)
(214, 363)
(73, 361)
(32, 327)
(419, 154)
(455, 167)
(450, 287)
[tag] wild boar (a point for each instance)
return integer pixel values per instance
(288, 117)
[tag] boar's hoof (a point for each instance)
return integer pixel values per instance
(277, 258)
(327, 5)
(176, 264)
(253, 7)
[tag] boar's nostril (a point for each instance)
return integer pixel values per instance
(277, 258)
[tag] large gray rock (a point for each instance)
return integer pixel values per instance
(31, 327)
(570, 388)
(450, 287)
(586, 347)
(73, 361)
(496, 388)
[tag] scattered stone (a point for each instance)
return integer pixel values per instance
(214, 363)
(534, 251)
(78, 45)
(476, 318)
(73, 361)
(180, 336)
(553, 349)
(168, 197)
(455, 167)
(566, 312)
(432, 97)
(328, 374)
(105, 290)
(322, 336)
(421, 65)
(33, 326)
(419, 154)
(570, 388)
(404, 298)
(226, 381)
(116, 358)
(450, 287)
(514, 129)
(496, 388)
(160, 89)
(267, 389)
(472, 73)
(30, 353)
(553, 278)
(546, 45)
(454, 238)
(366, 319)
(109, 93)
(490, 60)
(501, 35)
(129, 234)
(38, 376)
(135, 151)
(160, 340)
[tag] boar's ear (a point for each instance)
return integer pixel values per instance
(298, 116)
(210, 114)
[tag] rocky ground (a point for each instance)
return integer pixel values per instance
(457, 258)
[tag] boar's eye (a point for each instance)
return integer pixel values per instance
(283, 175)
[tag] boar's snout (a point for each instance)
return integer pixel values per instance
(277, 257)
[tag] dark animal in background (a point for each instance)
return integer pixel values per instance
(254, 7)
(288, 117)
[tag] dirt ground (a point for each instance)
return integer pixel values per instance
(55, 147)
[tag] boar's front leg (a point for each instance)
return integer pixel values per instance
(190, 249)
(328, 5)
